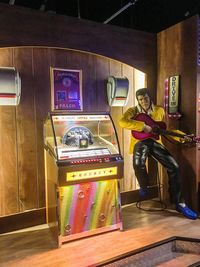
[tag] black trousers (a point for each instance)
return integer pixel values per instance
(148, 147)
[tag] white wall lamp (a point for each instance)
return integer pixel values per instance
(117, 91)
(10, 87)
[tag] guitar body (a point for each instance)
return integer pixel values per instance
(158, 128)
(150, 122)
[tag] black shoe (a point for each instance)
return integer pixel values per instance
(187, 212)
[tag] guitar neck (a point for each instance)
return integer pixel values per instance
(166, 132)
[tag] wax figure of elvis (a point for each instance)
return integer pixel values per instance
(142, 148)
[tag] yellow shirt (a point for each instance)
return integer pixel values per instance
(127, 121)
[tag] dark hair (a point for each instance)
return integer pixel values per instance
(143, 92)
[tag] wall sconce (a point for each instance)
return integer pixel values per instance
(10, 87)
(117, 91)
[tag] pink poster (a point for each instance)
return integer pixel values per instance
(66, 89)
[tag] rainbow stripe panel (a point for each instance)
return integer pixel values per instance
(88, 206)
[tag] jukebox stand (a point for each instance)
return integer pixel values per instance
(83, 166)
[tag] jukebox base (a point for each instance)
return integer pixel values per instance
(64, 239)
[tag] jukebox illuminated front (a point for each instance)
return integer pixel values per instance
(83, 166)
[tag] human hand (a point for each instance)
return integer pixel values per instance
(187, 139)
(147, 129)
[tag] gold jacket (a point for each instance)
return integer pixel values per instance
(127, 121)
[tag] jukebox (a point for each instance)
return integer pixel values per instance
(83, 166)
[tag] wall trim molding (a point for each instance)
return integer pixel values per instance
(22, 220)
(132, 196)
(35, 217)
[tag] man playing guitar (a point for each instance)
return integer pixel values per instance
(148, 145)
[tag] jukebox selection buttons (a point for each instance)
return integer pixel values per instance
(95, 160)
(84, 161)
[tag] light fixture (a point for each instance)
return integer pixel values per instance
(10, 87)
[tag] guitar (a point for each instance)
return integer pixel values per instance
(158, 128)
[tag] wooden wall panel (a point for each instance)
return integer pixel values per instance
(89, 78)
(41, 74)
(102, 74)
(26, 131)
(9, 192)
(59, 58)
(138, 49)
(198, 126)
(177, 55)
(22, 176)
(8, 153)
(129, 175)
(135, 48)
(189, 75)
(116, 112)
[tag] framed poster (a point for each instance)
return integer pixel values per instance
(66, 89)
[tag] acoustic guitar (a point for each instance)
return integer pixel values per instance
(158, 128)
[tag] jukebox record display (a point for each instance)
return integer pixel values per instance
(83, 166)
(81, 136)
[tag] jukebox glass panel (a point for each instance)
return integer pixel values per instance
(49, 139)
(80, 136)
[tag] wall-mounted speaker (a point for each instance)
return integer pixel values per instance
(117, 91)
(10, 87)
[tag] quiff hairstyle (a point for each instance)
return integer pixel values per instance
(143, 92)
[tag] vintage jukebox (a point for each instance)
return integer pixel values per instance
(83, 166)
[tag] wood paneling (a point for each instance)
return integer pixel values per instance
(22, 27)
(8, 158)
(22, 171)
(102, 73)
(26, 131)
(116, 112)
(9, 191)
(129, 181)
(21, 177)
(88, 82)
(41, 75)
(177, 55)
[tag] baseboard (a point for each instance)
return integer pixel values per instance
(35, 217)
(129, 197)
(22, 220)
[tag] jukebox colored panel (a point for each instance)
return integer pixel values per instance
(88, 206)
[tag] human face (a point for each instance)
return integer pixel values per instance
(144, 101)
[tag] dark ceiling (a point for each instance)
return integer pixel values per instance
(145, 15)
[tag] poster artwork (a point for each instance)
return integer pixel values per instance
(67, 93)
